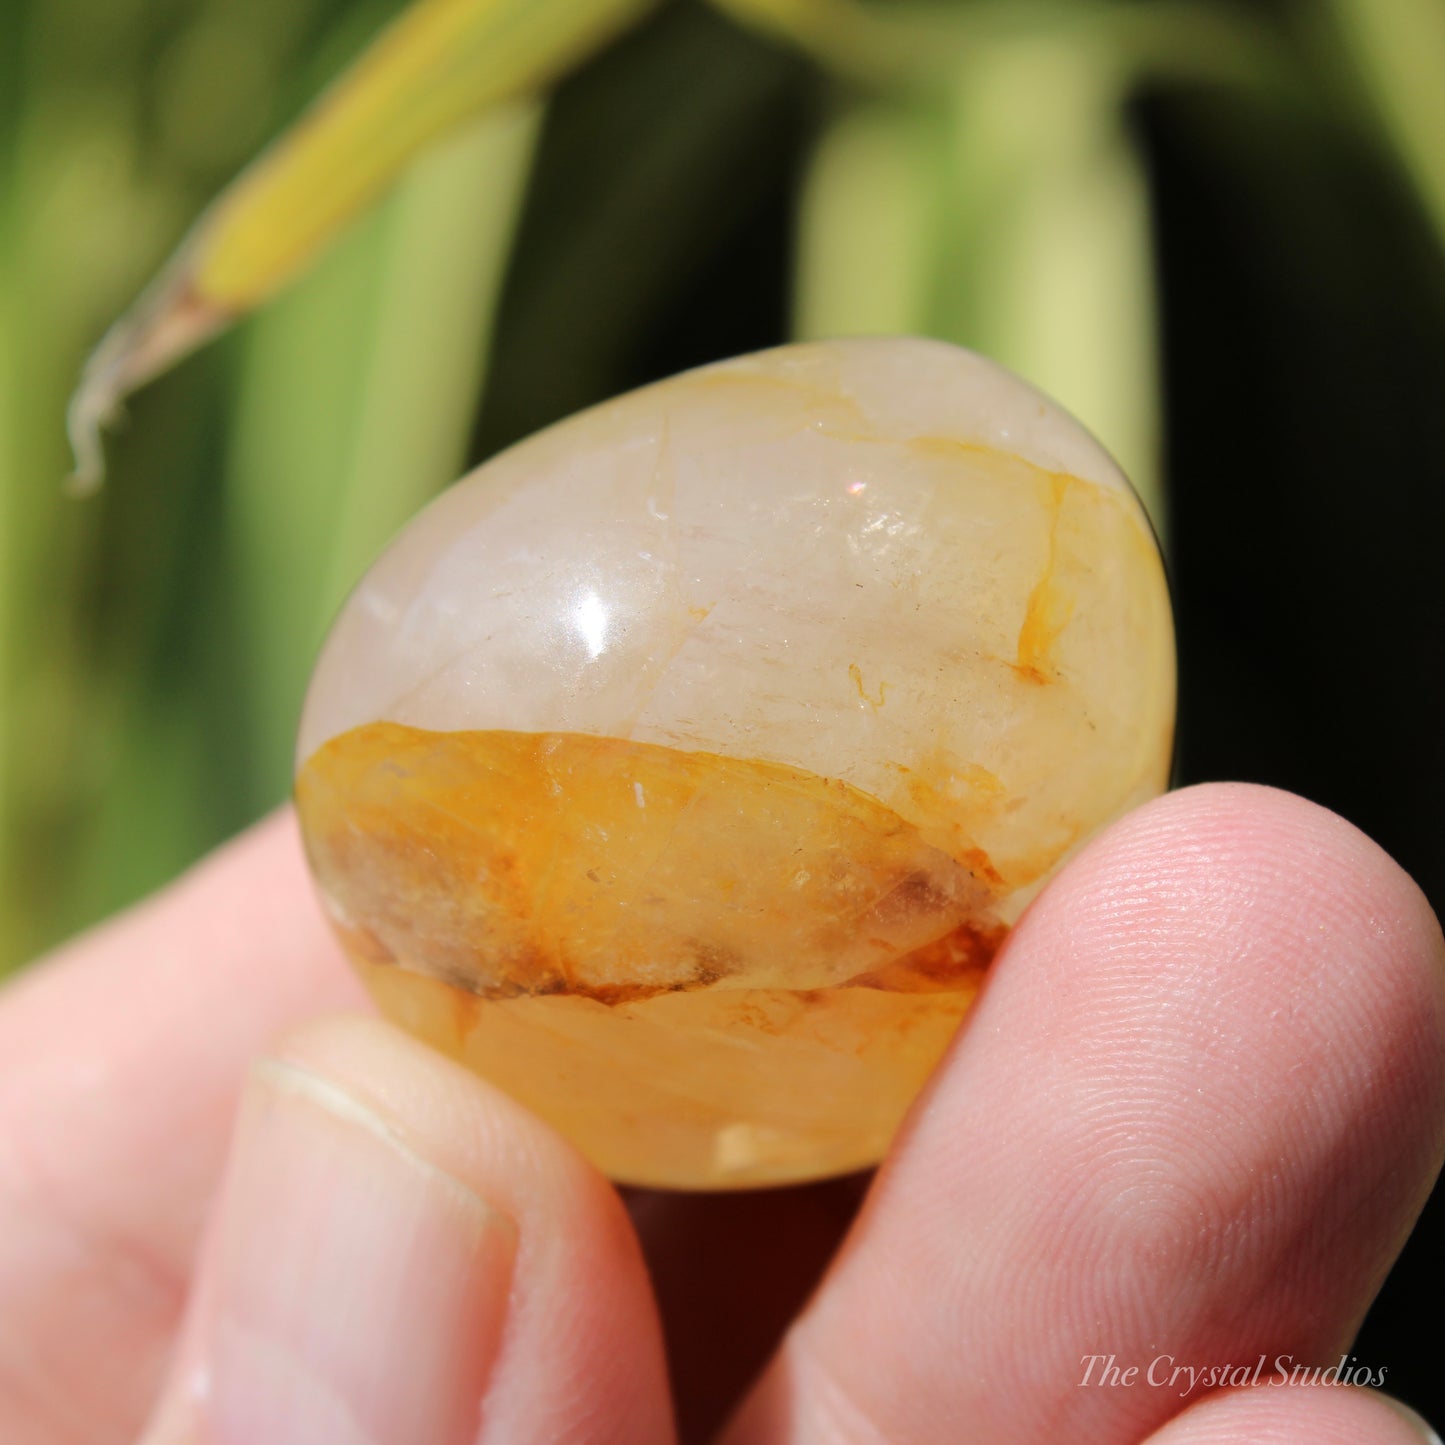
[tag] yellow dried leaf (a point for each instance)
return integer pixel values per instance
(441, 62)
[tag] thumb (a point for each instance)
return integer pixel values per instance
(400, 1253)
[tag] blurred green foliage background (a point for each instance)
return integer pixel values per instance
(972, 170)
(1215, 231)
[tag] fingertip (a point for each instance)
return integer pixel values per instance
(401, 1247)
(1256, 937)
(1235, 998)
(475, 1129)
(1304, 860)
(583, 1353)
(354, 1289)
(1196, 1109)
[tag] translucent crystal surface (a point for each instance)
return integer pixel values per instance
(682, 769)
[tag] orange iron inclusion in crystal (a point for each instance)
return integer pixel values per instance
(681, 770)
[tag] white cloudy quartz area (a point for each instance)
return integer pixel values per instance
(835, 555)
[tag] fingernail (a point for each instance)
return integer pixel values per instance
(359, 1291)
(1416, 1422)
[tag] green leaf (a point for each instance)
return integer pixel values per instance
(1398, 47)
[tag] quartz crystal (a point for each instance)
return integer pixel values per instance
(681, 770)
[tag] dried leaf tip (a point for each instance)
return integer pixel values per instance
(93, 407)
(168, 322)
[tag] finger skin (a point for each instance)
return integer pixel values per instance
(1196, 1111)
(1289, 1415)
(121, 1061)
(580, 1356)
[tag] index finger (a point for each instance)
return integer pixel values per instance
(1189, 1123)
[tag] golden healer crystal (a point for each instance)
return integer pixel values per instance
(681, 770)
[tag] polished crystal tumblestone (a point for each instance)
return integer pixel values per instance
(681, 770)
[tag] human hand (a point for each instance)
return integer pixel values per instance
(1193, 1116)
